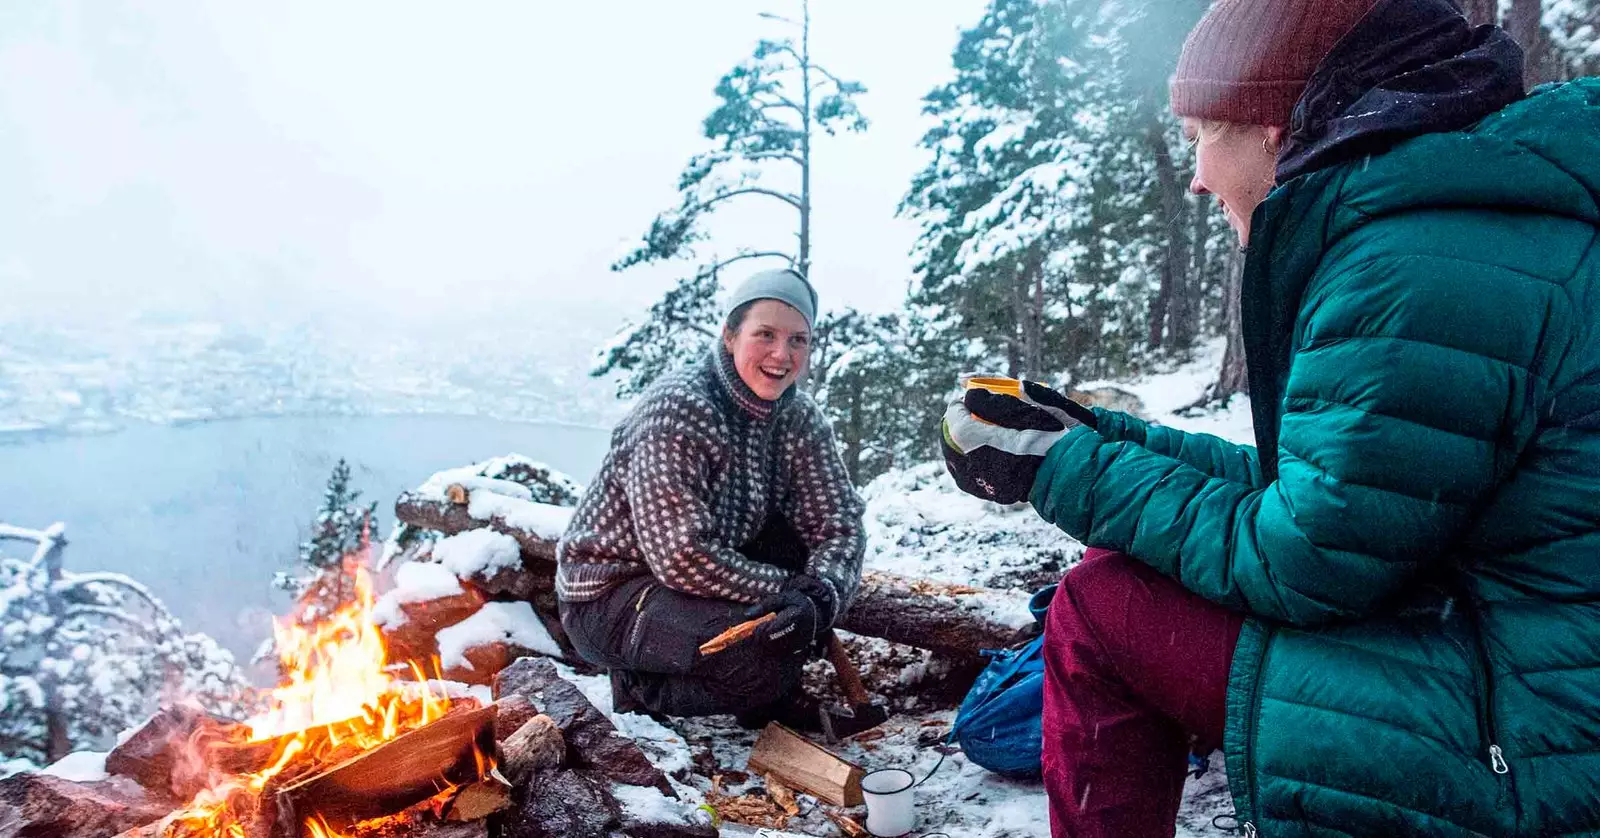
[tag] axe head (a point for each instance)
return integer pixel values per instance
(843, 722)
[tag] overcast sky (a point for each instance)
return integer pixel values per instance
(265, 159)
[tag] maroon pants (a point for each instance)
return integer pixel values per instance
(1136, 673)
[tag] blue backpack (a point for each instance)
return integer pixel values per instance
(999, 720)
(998, 725)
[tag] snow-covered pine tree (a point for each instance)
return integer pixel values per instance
(1058, 239)
(343, 528)
(772, 108)
(84, 656)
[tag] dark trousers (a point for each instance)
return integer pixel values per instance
(1136, 672)
(649, 636)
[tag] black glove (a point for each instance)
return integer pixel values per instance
(805, 609)
(997, 436)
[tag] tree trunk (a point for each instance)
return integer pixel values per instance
(1234, 377)
(1525, 26)
(1480, 12)
(1172, 315)
(57, 742)
(805, 140)
(1031, 290)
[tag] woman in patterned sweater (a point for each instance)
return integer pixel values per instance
(722, 499)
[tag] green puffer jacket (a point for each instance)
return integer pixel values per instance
(1418, 543)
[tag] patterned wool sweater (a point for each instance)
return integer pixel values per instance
(693, 472)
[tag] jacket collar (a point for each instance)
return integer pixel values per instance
(739, 393)
(1410, 67)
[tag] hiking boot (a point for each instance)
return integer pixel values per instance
(796, 711)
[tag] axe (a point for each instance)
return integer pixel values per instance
(862, 714)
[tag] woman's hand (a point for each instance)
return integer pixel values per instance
(805, 609)
(994, 442)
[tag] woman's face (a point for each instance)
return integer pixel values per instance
(1236, 163)
(771, 347)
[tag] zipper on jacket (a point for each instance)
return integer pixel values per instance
(638, 616)
(1485, 683)
(1253, 714)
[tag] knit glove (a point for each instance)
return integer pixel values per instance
(996, 437)
(805, 607)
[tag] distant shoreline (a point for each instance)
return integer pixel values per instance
(23, 435)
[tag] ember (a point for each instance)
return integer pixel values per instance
(336, 704)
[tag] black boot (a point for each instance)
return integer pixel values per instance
(796, 711)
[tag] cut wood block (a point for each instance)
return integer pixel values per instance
(399, 773)
(802, 764)
(481, 799)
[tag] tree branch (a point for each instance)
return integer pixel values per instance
(748, 190)
(837, 82)
(774, 155)
(758, 254)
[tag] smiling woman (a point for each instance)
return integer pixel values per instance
(723, 499)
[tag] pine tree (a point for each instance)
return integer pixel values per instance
(85, 656)
(342, 531)
(773, 106)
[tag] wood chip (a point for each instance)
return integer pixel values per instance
(846, 823)
(782, 795)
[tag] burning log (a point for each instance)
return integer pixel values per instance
(955, 620)
(397, 774)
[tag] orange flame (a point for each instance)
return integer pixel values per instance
(336, 701)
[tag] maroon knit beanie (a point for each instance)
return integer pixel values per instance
(1248, 61)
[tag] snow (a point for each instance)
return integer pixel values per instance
(477, 552)
(513, 623)
(80, 767)
(414, 582)
(648, 805)
(540, 519)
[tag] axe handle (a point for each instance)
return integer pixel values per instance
(849, 676)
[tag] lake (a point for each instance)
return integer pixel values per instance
(205, 513)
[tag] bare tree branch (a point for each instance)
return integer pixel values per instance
(758, 254)
(791, 200)
(837, 82)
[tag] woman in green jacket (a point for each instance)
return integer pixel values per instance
(1388, 610)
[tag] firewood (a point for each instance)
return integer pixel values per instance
(736, 634)
(799, 763)
(399, 773)
(481, 799)
(536, 746)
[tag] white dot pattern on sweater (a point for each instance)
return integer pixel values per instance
(691, 475)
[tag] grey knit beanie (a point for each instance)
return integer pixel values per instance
(785, 285)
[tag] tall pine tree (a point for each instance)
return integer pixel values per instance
(773, 108)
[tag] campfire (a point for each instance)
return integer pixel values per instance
(342, 741)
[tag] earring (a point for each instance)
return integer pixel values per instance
(1266, 145)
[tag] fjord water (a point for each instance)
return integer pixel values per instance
(205, 513)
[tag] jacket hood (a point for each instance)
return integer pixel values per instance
(1410, 67)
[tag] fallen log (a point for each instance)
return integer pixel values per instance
(451, 518)
(955, 620)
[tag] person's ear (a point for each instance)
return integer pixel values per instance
(727, 339)
(1275, 135)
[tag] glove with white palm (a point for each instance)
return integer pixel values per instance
(996, 437)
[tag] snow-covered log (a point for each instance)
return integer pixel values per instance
(419, 510)
(950, 619)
